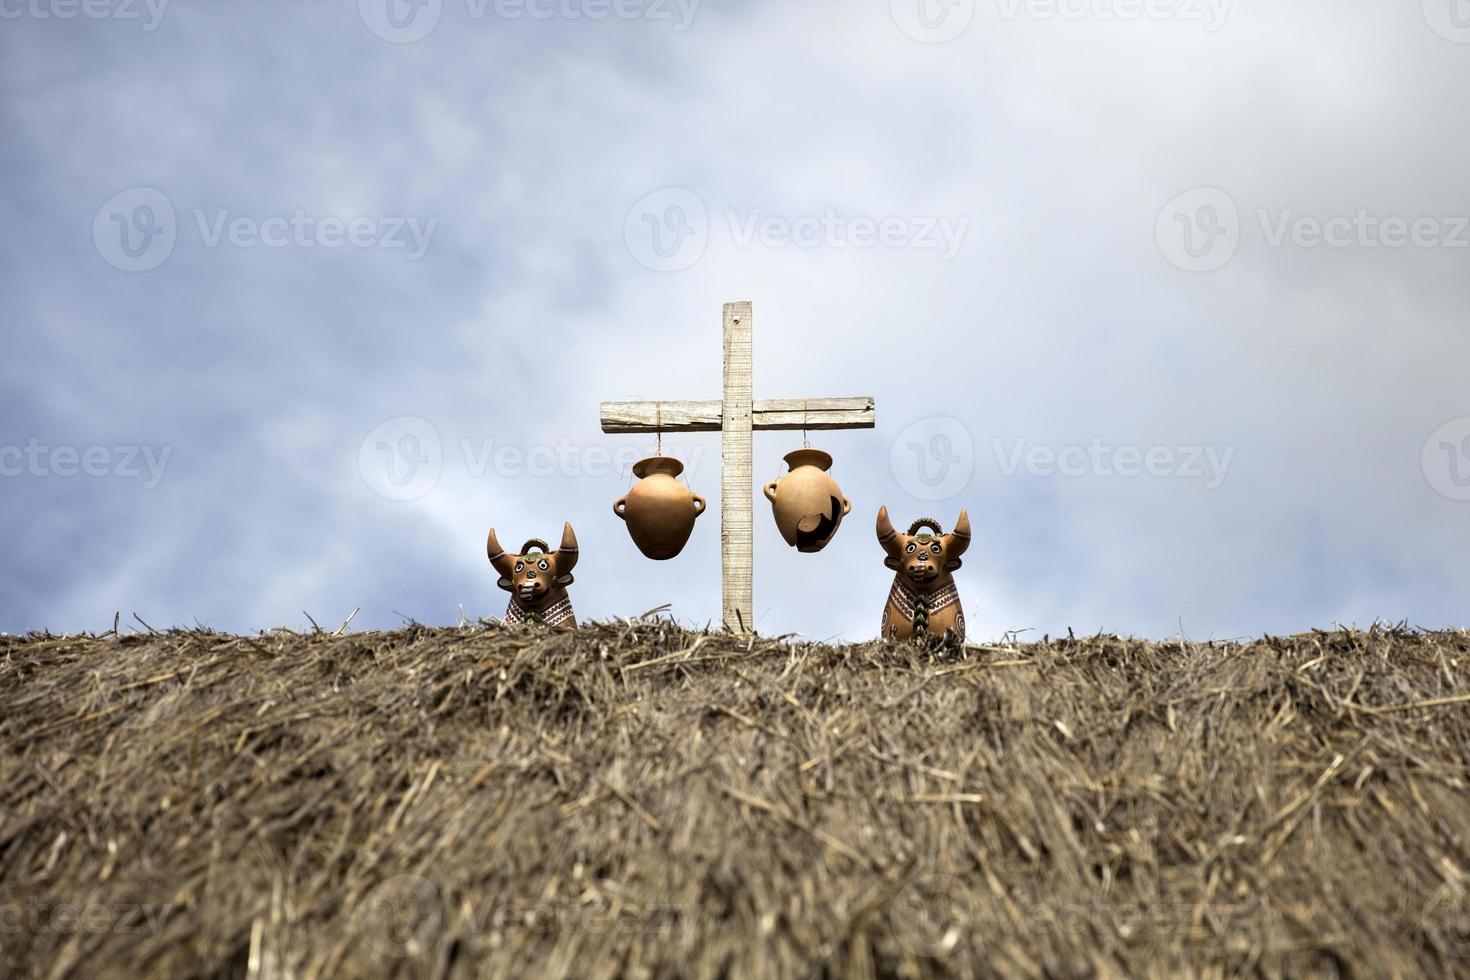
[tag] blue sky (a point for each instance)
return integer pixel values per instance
(1173, 297)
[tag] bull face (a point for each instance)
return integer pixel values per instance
(530, 575)
(926, 561)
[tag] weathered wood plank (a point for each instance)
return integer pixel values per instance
(735, 472)
(786, 414)
(767, 415)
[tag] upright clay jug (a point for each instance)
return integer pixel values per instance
(659, 510)
(808, 504)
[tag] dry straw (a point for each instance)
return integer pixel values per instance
(636, 800)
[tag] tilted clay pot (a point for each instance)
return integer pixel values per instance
(659, 510)
(808, 504)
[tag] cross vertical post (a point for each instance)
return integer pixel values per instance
(736, 452)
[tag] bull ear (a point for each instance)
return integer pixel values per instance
(499, 560)
(566, 555)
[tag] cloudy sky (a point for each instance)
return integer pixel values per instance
(1172, 295)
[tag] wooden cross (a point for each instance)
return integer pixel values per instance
(735, 417)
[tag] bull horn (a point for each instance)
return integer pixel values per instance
(960, 536)
(503, 563)
(887, 536)
(566, 555)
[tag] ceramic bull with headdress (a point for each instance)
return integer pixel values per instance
(924, 602)
(537, 580)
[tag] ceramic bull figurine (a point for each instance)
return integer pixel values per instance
(924, 602)
(537, 580)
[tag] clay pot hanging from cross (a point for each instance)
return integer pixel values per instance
(808, 504)
(660, 511)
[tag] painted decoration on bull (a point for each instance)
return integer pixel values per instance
(537, 580)
(924, 602)
(660, 511)
(807, 503)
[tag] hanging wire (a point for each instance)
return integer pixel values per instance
(805, 443)
(658, 424)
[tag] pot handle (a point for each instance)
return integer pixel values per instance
(846, 506)
(620, 507)
(699, 504)
(771, 490)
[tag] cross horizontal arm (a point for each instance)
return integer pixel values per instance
(789, 414)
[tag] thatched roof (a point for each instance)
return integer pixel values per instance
(637, 800)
